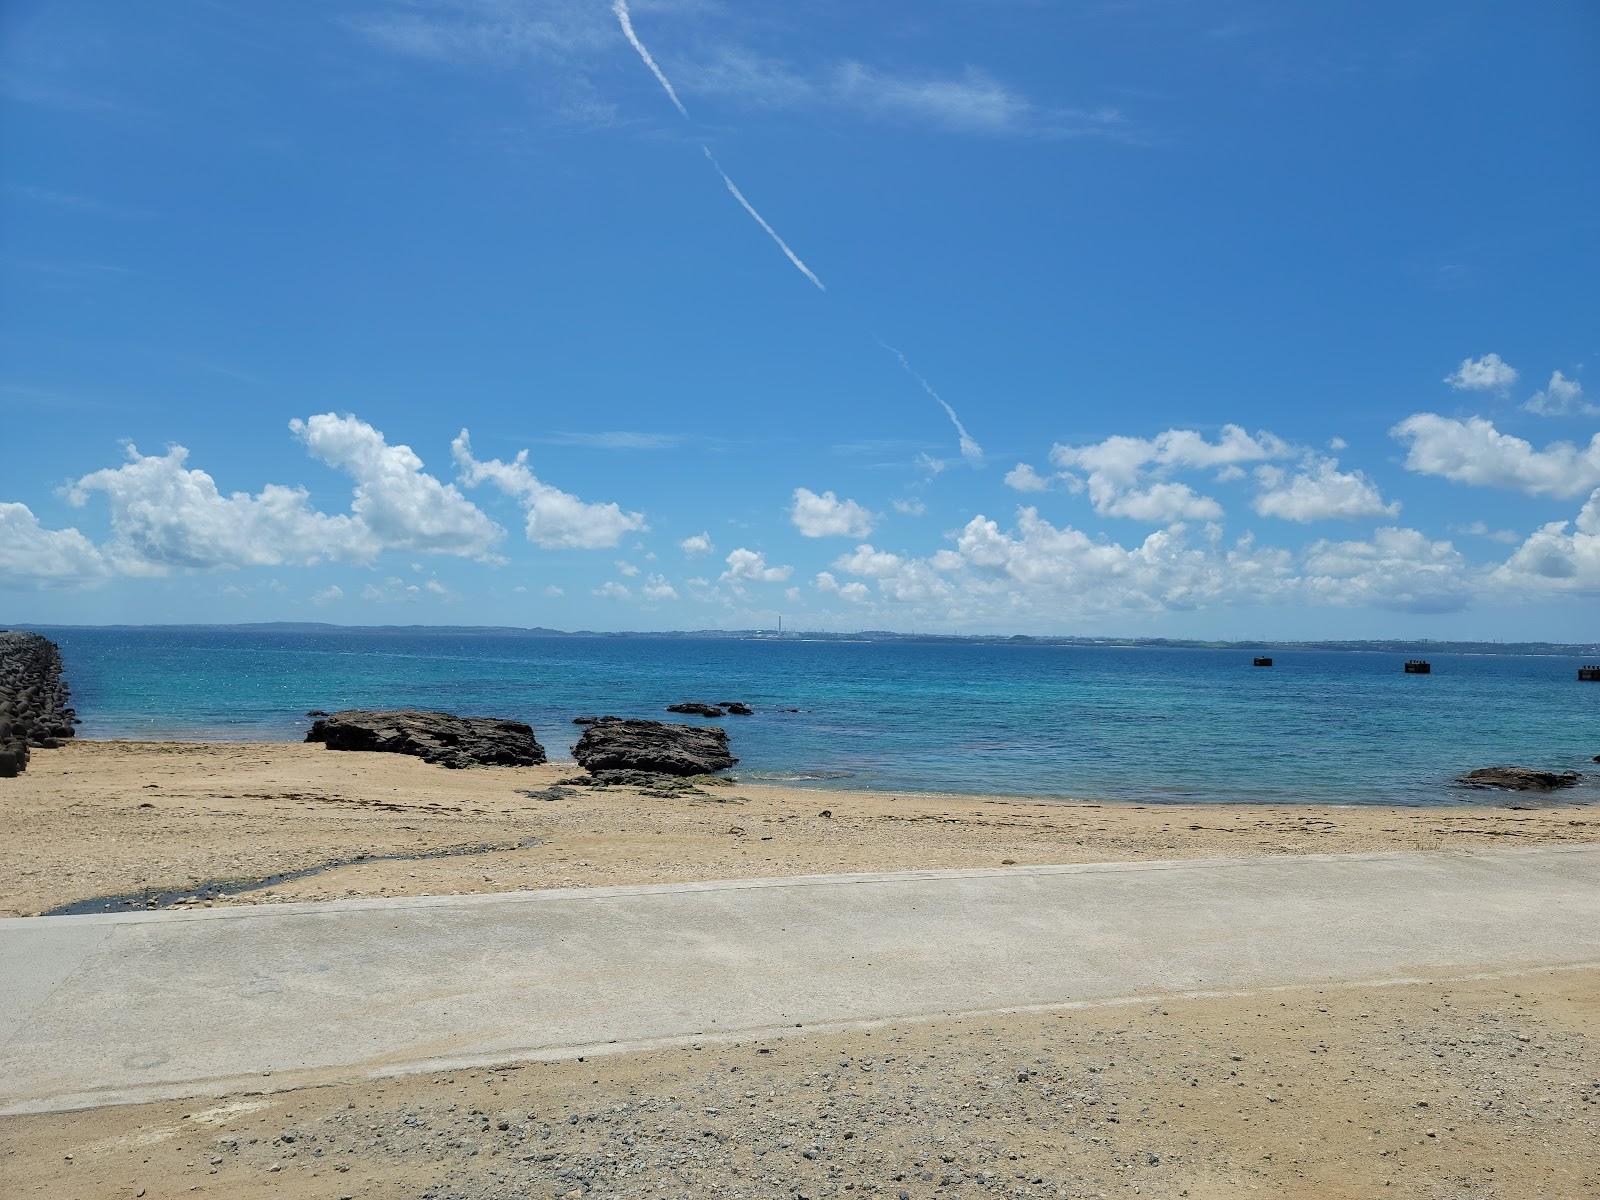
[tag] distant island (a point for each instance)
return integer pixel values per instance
(1380, 645)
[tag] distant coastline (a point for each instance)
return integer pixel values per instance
(1376, 645)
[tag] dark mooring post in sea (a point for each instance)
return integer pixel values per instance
(1589, 672)
(1262, 662)
(1418, 666)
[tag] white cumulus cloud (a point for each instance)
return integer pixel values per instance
(1320, 492)
(1559, 556)
(33, 556)
(656, 587)
(828, 516)
(166, 514)
(696, 545)
(1397, 568)
(1561, 397)
(750, 566)
(1119, 469)
(1473, 451)
(556, 520)
(1023, 478)
(1491, 373)
(402, 505)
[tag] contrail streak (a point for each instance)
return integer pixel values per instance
(772, 233)
(620, 7)
(970, 450)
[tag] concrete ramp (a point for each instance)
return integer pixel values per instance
(110, 1009)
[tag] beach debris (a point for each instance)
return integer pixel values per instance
(1519, 779)
(654, 746)
(436, 737)
(34, 713)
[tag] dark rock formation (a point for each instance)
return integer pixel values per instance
(648, 783)
(653, 746)
(34, 713)
(1519, 779)
(591, 720)
(695, 709)
(735, 708)
(434, 737)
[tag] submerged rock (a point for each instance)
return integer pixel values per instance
(694, 708)
(435, 737)
(1519, 779)
(653, 746)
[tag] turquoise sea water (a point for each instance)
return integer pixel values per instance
(1117, 724)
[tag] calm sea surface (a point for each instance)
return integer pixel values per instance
(1134, 724)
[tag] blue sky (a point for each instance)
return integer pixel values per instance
(1261, 321)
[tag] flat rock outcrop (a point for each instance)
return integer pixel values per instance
(653, 746)
(34, 713)
(1519, 779)
(435, 737)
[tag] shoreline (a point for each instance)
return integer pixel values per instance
(177, 824)
(1462, 799)
(1414, 1087)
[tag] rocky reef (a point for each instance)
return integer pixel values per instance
(33, 699)
(723, 708)
(435, 737)
(1519, 779)
(653, 746)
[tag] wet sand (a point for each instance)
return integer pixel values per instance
(122, 818)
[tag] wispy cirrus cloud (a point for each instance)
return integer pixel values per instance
(576, 40)
(70, 201)
(614, 439)
(968, 102)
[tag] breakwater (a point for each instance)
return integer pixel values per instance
(34, 712)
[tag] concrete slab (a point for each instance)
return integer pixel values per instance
(109, 1009)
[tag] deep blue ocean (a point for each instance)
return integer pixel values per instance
(1144, 725)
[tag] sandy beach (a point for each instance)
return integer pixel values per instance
(116, 818)
(1439, 1087)
(1446, 1088)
